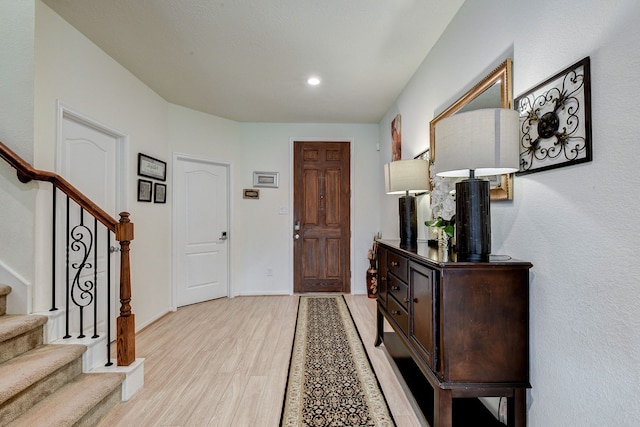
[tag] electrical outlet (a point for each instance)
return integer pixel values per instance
(269, 271)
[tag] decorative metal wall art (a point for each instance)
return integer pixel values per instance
(555, 121)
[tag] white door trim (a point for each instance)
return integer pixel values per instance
(174, 225)
(351, 215)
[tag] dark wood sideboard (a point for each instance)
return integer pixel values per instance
(464, 325)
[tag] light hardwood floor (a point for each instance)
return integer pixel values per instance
(225, 363)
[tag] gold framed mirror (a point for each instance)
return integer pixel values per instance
(493, 91)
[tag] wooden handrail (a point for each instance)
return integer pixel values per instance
(27, 173)
(123, 229)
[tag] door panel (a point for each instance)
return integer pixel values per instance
(201, 225)
(322, 205)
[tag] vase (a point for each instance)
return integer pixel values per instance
(444, 245)
(372, 282)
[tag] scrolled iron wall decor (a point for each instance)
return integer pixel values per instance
(555, 121)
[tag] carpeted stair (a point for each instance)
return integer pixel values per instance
(43, 385)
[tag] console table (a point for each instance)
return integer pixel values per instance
(465, 325)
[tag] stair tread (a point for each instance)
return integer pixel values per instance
(72, 401)
(13, 325)
(19, 373)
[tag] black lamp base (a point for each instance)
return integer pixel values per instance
(473, 220)
(408, 221)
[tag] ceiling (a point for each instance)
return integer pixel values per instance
(248, 60)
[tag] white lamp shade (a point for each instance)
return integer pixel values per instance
(406, 175)
(485, 140)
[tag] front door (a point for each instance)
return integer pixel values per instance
(321, 217)
(200, 199)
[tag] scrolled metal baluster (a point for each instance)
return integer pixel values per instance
(82, 292)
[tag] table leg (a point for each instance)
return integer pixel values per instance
(379, 327)
(443, 408)
(517, 408)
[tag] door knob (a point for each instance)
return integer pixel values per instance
(296, 236)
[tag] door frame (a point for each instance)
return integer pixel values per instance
(65, 112)
(351, 207)
(174, 260)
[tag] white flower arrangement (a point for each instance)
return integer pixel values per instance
(443, 204)
(443, 201)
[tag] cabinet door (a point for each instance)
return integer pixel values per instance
(423, 298)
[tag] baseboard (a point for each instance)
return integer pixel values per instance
(263, 293)
(20, 300)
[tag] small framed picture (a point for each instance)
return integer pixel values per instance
(250, 193)
(160, 193)
(145, 188)
(151, 168)
(265, 179)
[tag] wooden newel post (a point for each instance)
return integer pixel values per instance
(126, 341)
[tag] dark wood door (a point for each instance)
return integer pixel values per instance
(321, 232)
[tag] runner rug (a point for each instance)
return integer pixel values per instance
(331, 381)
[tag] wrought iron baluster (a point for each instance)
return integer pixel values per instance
(53, 252)
(109, 363)
(67, 286)
(82, 292)
(95, 279)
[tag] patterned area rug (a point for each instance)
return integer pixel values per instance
(331, 381)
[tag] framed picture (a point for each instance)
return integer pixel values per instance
(151, 168)
(396, 138)
(265, 179)
(250, 193)
(159, 193)
(145, 188)
(555, 121)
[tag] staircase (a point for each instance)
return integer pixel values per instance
(44, 385)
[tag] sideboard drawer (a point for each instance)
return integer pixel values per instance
(398, 265)
(398, 289)
(399, 314)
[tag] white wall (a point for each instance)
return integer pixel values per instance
(71, 69)
(260, 236)
(267, 235)
(16, 132)
(212, 138)
(577, 224)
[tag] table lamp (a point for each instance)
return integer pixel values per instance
(470, 145)
(407, 177)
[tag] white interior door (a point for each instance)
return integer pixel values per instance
(88, 158)
(201, 245)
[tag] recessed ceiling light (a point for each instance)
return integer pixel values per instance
(313, 81)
